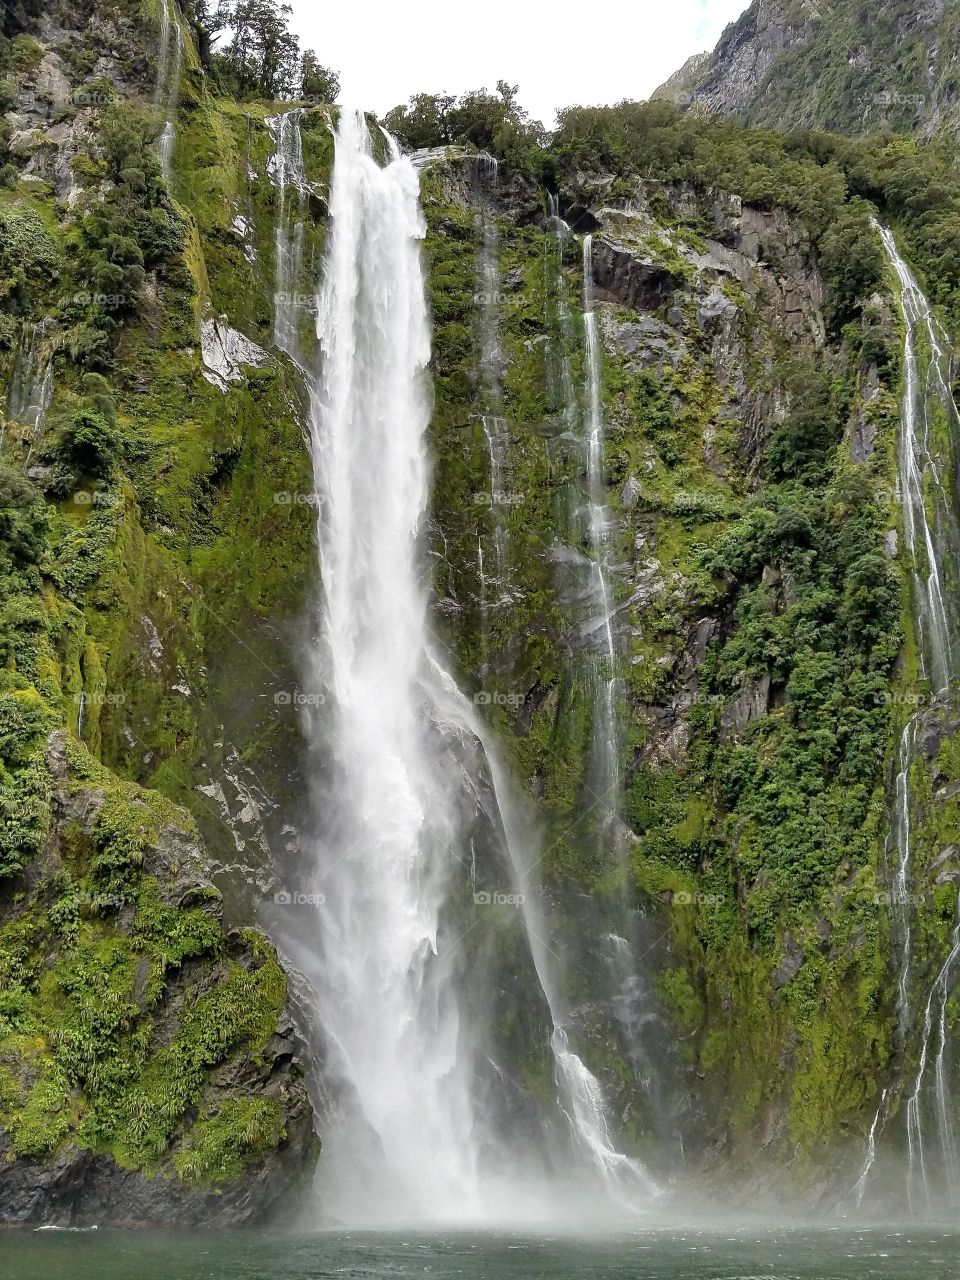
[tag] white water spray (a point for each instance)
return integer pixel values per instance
(384, 961)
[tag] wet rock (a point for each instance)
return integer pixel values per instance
(752, 703)
(225, 352)
(630, 277)
(77, 1187)
(791, 959)
(631, 493)
(931, 738)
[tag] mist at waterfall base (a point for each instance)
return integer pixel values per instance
(417, 875)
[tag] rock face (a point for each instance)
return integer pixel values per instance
(801, 64)
(202, 1170)
(225, 353)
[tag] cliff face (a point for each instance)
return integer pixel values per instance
(712, 317)
(832, 64)
(664, 500)
(148, 1064)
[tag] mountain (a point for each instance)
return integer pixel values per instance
(838, 65)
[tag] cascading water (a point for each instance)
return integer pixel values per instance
(605, 753)
(931, 527)
(495, 429)
(31, 386)
(167, 93)
(286, 172)
(385, 961)
(929, 439)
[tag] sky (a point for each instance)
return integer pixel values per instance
(591, 52)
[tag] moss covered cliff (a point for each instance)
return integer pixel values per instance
(723, 907)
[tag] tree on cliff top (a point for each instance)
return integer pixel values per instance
(260, 57)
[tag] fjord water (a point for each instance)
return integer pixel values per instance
(683, 1253)
(411, 1133)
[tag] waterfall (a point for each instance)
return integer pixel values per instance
(167, 92)
(400, 1045)
(386, 983)
(605, 747)
(931, 528)
(495, 429)
(285, 169)
(625, 1181)
(30, 393)
(932, 540)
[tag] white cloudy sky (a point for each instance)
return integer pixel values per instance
(594, 51)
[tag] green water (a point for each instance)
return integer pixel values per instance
(907, 1253)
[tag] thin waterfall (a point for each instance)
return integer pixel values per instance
(605, 746)
(584, 588)
(286, 172)
(167, 92)
(625, 1180)
(384, 958)
(30, 393)
(926, 460)
(931, 528)
(900, 847)
(495, 429)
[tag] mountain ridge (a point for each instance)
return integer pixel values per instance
(833, 65)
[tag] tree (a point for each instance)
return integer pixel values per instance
(263, 56)
(317, 83)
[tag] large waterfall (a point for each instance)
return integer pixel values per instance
(414, 1129)
(929, 439)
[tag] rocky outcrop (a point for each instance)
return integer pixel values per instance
(635, 280)
(234, 1125)
(226, 352)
